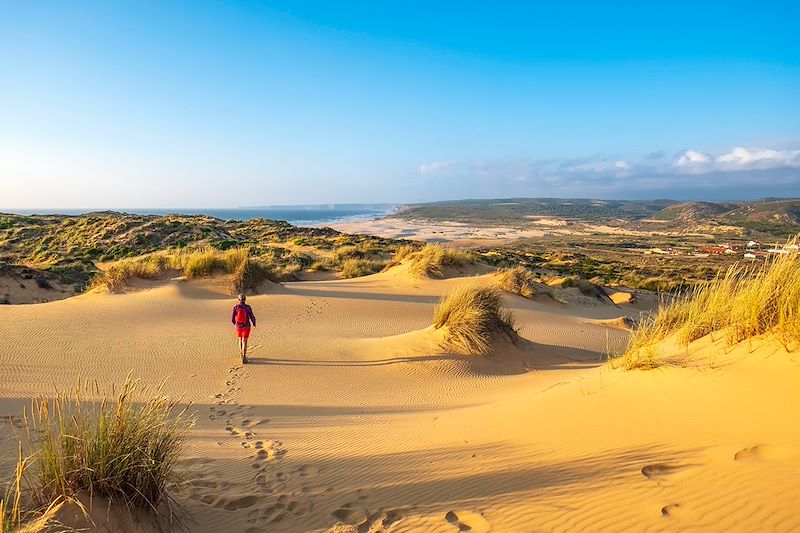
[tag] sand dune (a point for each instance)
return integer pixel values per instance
(352, 418)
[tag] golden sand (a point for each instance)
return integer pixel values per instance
(351, 418)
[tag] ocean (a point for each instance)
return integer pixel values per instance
(298, 215)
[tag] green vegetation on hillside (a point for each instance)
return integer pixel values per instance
(71, 250)
(763, 218)
(607, 263)
(516, 211)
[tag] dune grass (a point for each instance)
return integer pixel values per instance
(202, 264)
(404, 251)
(247, 272)
(15, 516)
(355, 268)
(743, 302)
(430, 260)
(117, 276)
(518, 280)
(123, 447)
(345, 253)
(473, 315)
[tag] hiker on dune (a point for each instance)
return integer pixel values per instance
(243, 319)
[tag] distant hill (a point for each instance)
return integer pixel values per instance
(775, 211)
(694, 211)
(517, 210)
(776, 217)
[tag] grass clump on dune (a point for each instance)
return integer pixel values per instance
(123, 447)
(741, 303)
(249, 274)
(473, 315)
(518, 280)
(430, 261)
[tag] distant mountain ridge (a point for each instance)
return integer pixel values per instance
(780, 216)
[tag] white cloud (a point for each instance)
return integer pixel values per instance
(692, 158)
(428, 168)
(733, 173)
(738, 158)
(599, 166)
(761, 158)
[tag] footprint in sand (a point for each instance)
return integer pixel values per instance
(659, 472)
(239, 502)
(468, 521)
(362, 520)
(753, 453)
(668, 510)
(268, 452)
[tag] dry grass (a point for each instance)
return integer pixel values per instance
(355, 268)
(518, 280)
(202, 264)
(248, 275)
(193, 265)
(404, 251)
(15, 516)
(123, 447)
(430, 261)
(117, 276)
(474, 317)
(743, 302)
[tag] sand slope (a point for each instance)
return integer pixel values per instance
(352, 418)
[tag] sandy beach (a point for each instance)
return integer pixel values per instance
(351, 419)
(464, 234)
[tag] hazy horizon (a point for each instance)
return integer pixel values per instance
(198, 104)
(334, 205)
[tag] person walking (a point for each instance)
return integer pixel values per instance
(243, 319)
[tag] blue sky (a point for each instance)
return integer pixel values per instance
(201, 104)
